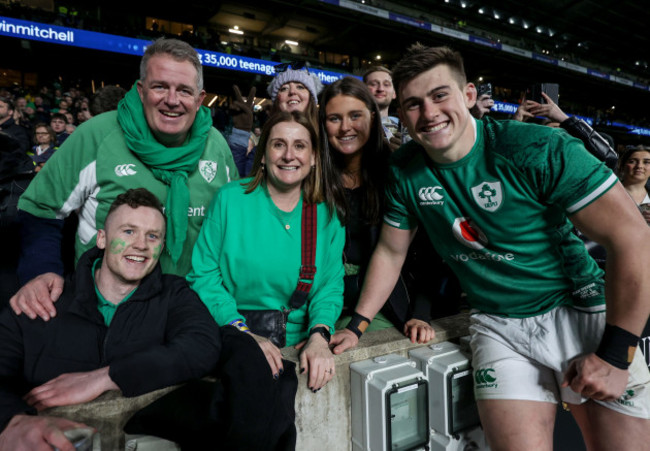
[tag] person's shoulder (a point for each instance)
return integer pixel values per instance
(408, 160)
(509, 132)
(175, 290)
(518, 142)
(95, 129)
(328, 219)
(234, 193)
(236, 188)
(216, 138)
(101, 121)
(173, 282)
(406, 154)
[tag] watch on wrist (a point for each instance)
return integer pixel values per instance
(323, 331)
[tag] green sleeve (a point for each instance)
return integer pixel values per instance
(205, 278)
(66, 181)
(327, 302)
(397, 214)
(567, 175)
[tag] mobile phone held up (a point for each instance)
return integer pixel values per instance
(535, 91)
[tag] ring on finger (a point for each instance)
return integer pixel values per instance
(330, 370)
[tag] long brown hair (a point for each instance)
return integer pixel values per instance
(312, 186)
(375, 153)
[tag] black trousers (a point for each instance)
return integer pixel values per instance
(245, 409)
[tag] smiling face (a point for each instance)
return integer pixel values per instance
(293, 96)
(170, 98)
(347, 121)
(637, 168)
(288, 157)
(133, 240)
(380, 85)
(436, 111)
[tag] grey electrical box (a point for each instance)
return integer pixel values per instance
(453, 415)
(389, 402)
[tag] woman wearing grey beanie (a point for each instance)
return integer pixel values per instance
(293, 88)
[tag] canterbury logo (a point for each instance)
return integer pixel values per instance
(429, 193)
(124, 169)
(484, 376)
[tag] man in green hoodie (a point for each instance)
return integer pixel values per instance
(160, 138)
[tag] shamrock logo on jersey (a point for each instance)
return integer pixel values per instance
(208, 169)
(488, 195)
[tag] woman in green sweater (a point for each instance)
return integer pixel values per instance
(248, 253)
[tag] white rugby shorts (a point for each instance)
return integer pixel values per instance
(525, 359)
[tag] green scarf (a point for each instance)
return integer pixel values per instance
(170, 165)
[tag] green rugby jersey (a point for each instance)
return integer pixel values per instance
(499, 218)
(95, 165)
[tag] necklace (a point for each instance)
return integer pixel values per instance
(351, 179)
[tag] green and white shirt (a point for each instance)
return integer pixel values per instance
(94, 166)
(499, 215)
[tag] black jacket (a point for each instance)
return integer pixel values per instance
(18, 132)
(161, 336)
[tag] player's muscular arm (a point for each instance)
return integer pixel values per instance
(614, 221)
(382, 275)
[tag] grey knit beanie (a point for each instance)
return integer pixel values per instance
(311, 82)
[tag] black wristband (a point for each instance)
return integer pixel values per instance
(358, 324)
(617, 347)
(322, 331)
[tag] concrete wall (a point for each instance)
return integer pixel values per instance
(322, 419)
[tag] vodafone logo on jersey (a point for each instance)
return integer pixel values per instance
(122, 170)
(468, 233)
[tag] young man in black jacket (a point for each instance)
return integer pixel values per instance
(121, 325)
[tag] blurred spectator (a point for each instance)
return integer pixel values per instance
(58, 124)
(16, 171)
(105, 99)
(69, 117)
(634, 171)
(9, 126)
(254, 138)
(19, 112)
(379, 81)
(45, 139)
(41, 110)
(484, 102)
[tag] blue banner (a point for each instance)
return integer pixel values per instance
(486, 42)
(545, 59)
(54, 34)
(598, 74)
(409, 21)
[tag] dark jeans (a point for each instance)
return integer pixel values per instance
(245, 409)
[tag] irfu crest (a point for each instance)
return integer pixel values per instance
(208, 169)
(488, 195)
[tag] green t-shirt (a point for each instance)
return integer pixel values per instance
(499, 218)
(106, 308)
(248, 256)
